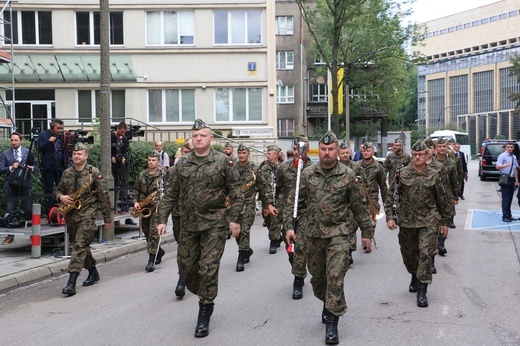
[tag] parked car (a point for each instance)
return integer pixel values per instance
(488, 155)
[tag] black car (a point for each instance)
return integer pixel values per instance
(488, 155)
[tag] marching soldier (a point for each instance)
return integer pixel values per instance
(397, 158)
(84, 183)
(145, 199)
(422, 205)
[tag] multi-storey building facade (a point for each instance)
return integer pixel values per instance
(170, 62)
(466, 81)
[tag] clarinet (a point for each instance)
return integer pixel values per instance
(395, 211)
(273, 184)
(161, 184)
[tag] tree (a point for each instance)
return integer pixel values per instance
(366, 38)
(515, 71)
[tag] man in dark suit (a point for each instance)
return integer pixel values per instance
(10, 160)
(358, 155)
(53, 159)
(464, 168)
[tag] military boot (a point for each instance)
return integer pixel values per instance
(180, 289)
(350, 259)
(441, 249)
(70, 288)
(249, 253)
(433, 269)
(205, 311)
(92, 278)
(413, 285)
(160, 255)
(297, 292)
(422, 301)
(272, 247)
(331, 329)
(324, 315)
(150, 267)
(240, 262)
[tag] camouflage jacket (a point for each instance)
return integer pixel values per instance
(392, 161)
(147, 184)
(329, 198)
(460, 169)
(202, 184)
(353, 165)
(286, 180)
(374, 177)
(248, 181)
(451, 169)
(95, 197)
(266, 183)
(446, 187)
(422, 199)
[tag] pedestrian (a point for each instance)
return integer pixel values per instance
(246, 169)
(398, 158)
(17, 161)
(422, 205)
(164, 158)
(82, 183)
(329, 191)
(120, 169)
(53, 159)
(507, 163)
(462, 157)
(203, 179)
(358, 155)
(146, 196)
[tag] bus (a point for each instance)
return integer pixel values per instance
(460, 137)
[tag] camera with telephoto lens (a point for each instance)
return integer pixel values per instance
(77, 139)
(13, 220)
(134, 131)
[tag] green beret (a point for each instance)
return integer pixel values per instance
(301, 138)
(440, 140)
(199, 125)
(329, 138)
(80, 146)
(367, 145)
(242, 147)
(154, 153)
(429, 142)
(419, 146)
(273, 147)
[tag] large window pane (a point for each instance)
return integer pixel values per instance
(170, 27)
(28, 27)
(172, 105)
(188, 105)
(45, 27)
(155, 105)
(255, 104)
(239, 105)
(221, 27)
(238, 26)
(97, 28)
(118, 104)
(153, 27)
(222, 104)
(84, 105)
(82, 28)
(116, 28)
(254, 27)
(187, 28)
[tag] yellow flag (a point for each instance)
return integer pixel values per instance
(341, 72)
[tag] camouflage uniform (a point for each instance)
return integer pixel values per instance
(356, 167)
(202, 184)
(422, 205)
(393, 161)
(81, 223)
(247, 175)
(176, 215)
(145, 185)
(329, 198)
(265, 182)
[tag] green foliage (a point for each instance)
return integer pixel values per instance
(515, 71)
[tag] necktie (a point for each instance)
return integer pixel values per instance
(16, 155)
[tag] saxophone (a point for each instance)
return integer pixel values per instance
(397, 196)
(64, 208)
(145, 212)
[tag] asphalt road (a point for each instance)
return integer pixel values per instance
(474, 298)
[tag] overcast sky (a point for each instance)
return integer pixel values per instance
(425, 10)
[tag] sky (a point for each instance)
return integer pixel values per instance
(425, 10)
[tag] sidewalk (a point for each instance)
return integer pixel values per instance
(18, 269)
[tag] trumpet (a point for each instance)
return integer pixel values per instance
(375, 214)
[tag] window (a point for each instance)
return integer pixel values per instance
(483, 91)
(284, 25)
(503, 16)
(459, 27)
(452, 29)
(238, 27)
(444, 31)
(319, 93)
(238, 105)
(285, 60)
(467, 25)
(513, 14)
(170, 27)
(493, 18)
(284, 94)
(88, 104)
(286, 128)
(88, 31)
(476, 23)
(29, 27)
(436, 33)
(171, 105)
(484, 21)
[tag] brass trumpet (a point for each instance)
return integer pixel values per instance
(375, 215)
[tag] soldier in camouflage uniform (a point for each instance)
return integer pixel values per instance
(247, 170)
(81, 223)
(150, 181)
(286, 181)
(203, 179)
(266, 185)
(422, 205)
(396, 159)
(329, 192)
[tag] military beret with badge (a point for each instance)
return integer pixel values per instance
(154, 153)
(367, 145)
(79, 146)
(329, 138)
(199, 124)
(273, 147)
(242, 147)
(419, 146)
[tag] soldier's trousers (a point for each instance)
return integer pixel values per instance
(274, 224)
(299, 257)
(247, 220)
(81, 233)
(418, 245)
(149, 228)
(328, 263)
(198, 256)
(176, 220)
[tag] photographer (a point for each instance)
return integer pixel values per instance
(119, 145)
(15, 161)
(52, 158)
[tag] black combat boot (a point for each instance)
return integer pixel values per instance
(452, 224)
(240, 261)
(441, 249)
(331, 329)
(70, 288)
(433, 269)
(422, 301)
(180, 289)
(92, 278)
(150, 267)
(249, 253)
(272, 247)
(324, 315)
(413, 284)
(205, 311)
(160, 255)
(297, 292)
(350, 259)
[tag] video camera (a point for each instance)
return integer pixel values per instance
(13, 220)
(71, 137)
(134, 131)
